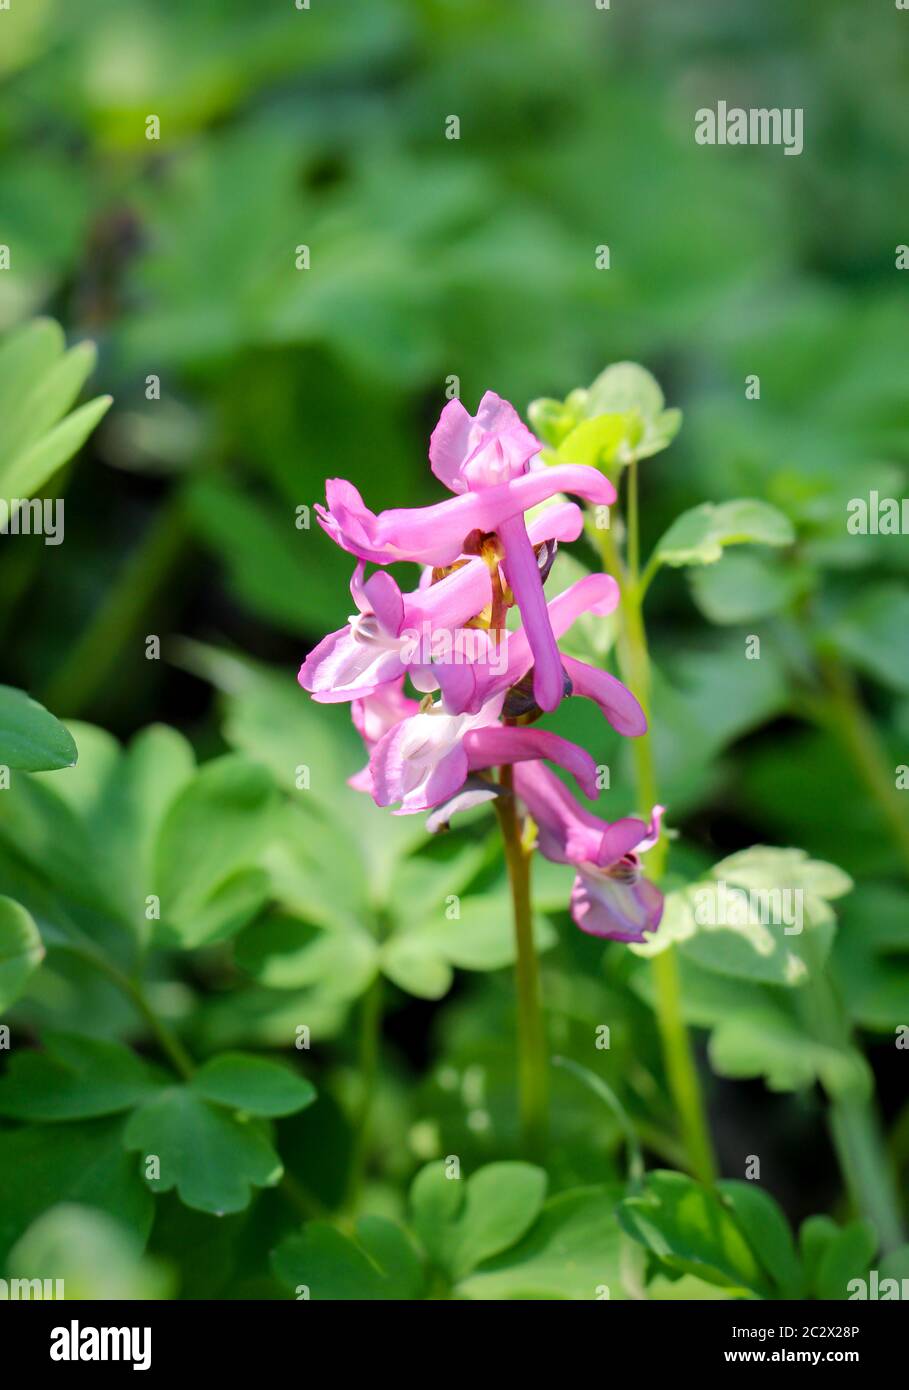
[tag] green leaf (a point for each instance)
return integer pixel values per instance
(253, 1084)
(573, 1251)
(698, 536)
(463, 1223)
(414, 964)
(82, 1162)
(31, 739)
(420, 958)
(845, 1256)
(41, 829)
(28, 474)
(691, 1231)
(26, 355)
(765, 867)
(871, 633)
(95, 1256)
(49, 399)
(124, 811)
(211, 1157)
(626, 388)
(75, 1078)
(815, 1235)
(748, 919)
(746, 585)
(378, 1263)
(767, 1232)
(282, 952)
(619, 417)
(720, 930)
(210, 840)
(770, 1042)
(21, 950)
(553, 420)
(602, 441)
(713, 698)
(871, 956)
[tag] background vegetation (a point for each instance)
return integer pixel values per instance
(286, 908)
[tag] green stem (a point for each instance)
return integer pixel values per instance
(849, 721)
(304, 1202)
(634, 661)
(853, 1120)
(166, 1039)
(633, 527)
(533, 1079)
(94, 657)
(370, 1038)
(857, 1135)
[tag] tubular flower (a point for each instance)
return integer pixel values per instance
(426, 758)
(491, 463)
(610, 898)
(373, 716)
(377, 645)
(489, 548)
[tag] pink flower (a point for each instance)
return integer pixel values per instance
(490, 461)
(468, 453)
(424, 759)
(435, 535)
(610, 898)
(595, 593)
(373, 716)
(376, 645)
(449, 636)
(355, 661)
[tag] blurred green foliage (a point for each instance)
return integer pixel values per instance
(430, 258)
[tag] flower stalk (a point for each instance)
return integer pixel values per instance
(634, 662)
(533, 1078)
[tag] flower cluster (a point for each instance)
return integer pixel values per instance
(481, 684)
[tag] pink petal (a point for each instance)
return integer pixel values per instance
(386, 601)
(617, 911)
(523, 576)
(595, 593)
(435, 535)
(621, 838)
(615, 700)
(341, 668)
(497, 745)
(568, 832)
(374, 715)
(418, 778)
(495, 415)
(469, 452)
(449, 445)
(454, 600)
(499, 458)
